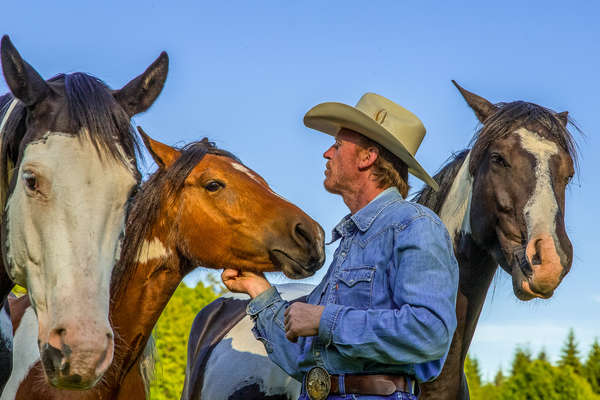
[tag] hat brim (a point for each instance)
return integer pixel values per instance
(331, 117)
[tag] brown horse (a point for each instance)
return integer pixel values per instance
(201, 207)
(503, 203)
(67, 172)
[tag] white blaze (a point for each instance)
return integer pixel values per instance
(152, 250)
(542, 202)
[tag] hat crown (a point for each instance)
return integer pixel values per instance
(402, 124)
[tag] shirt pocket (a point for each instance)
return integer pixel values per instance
(355, 286)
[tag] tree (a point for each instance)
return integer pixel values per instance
(542, 355)
(473, 373)
(570, 354)
(592, 367)
(499, 378)
(521, 360)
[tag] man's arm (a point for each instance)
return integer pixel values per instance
(268, 310)
(424, 281)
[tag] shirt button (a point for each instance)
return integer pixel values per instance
(343, 254)
(318, 353)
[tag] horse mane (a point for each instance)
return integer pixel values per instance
(508, 117)
(93, 112)
(163, 185)
(444, 177)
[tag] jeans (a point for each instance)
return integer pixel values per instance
(393, 396)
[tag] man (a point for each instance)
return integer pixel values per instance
(383, 317)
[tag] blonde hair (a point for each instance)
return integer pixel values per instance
(388, 170)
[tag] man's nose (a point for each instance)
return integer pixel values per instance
(327, 153)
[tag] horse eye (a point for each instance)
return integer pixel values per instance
(213, 186)
(497, 158)
(30, 180)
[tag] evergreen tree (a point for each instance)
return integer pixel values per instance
(592, 367)
(542, 355)
(521, 360)
(499, 378)
(570, 354)
(473, 374)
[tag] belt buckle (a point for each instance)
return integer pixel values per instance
(318, 383)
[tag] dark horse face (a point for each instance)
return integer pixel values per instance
(70, 144)
(521, 164)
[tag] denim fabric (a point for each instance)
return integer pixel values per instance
(389, 297)
(393, 396)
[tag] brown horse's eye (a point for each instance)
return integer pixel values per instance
(30, 180)
(498, 159)
(213, 186)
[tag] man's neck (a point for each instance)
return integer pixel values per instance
(360, 198)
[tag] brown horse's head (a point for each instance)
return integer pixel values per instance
(521, 162)
(210, 199)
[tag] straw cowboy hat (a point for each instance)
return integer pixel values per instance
(379, 119)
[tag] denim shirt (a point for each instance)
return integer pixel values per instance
(389, 297)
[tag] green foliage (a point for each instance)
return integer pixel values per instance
(171, 335)
(570, 354)
(592, 367)
(538, 379)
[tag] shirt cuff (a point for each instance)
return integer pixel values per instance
(262, 301)
(327, 322)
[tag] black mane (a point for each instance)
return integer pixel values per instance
(147, 203)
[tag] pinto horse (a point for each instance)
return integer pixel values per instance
(503, 202)
(201, 207)
(67, 171)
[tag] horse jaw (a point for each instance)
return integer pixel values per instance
(64, 247)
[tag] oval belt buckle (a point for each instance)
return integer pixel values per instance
(318, 383)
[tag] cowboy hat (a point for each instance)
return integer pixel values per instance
(381, 120)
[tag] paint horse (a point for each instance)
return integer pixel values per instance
(201, 207)
(67, 171)
(503, 202)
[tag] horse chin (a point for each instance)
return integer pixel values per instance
(523, 288)
(289, 266)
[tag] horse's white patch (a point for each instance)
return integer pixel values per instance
(152, 250)
(25, 353)
(240, 348)
(541, 208)
(456, 210)
(5, 327)
(245, 170)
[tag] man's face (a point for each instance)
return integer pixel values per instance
(342, 162)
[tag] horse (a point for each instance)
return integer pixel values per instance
(201, 207)
(503, 202)
(68, 169)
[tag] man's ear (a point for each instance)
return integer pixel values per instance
(367, 157)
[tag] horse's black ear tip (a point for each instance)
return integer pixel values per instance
(6, 43)
(456, 85)
(142, 133)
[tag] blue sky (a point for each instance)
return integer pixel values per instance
(244, 74)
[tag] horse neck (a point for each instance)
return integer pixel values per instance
(136, 308)
(475, 263)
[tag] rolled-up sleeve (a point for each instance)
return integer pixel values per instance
(424, 282)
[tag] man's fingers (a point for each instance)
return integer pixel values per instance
(291, 336)
(229, 273)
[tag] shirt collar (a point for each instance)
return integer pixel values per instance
(364, 217)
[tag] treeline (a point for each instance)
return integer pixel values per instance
(536, 378)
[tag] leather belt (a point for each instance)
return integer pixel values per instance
(374, 385)
(319, 384)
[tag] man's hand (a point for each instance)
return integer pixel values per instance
(245, 282)
(302, 319)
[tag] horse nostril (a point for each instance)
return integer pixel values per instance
(301, 236)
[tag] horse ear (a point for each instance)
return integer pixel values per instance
(23, 80)
(139, 94)
(482, 108)
(163, 155)
(563, 117)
